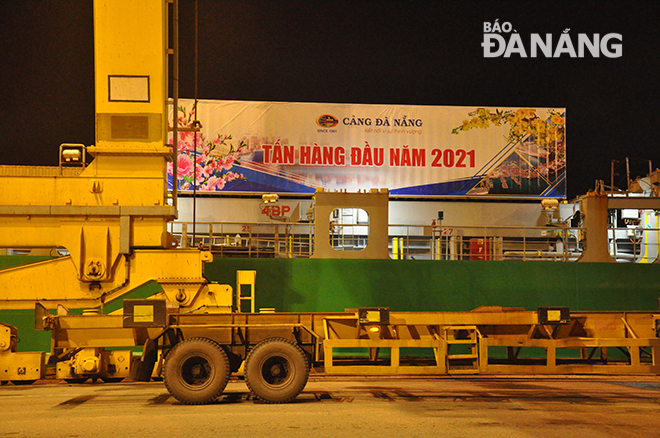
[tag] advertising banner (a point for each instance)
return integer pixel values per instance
(282, 147)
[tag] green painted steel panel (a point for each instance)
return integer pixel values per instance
(146, 290)
(326, 285)
(28, 338)
(9, 261)
(414, 285)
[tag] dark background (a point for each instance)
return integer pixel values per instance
(385, 52)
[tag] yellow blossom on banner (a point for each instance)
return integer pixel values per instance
(525, 113)
(557, 119)
(538, 125)
(523, 123)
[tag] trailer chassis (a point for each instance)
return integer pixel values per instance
(196, 353)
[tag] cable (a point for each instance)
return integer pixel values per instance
(196, 122)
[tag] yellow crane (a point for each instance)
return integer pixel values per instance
(111, 218)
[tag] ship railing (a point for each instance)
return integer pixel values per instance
(634, 244)
(246, 239)
(448, 242)
(416, 242)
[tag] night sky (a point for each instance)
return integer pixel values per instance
(381, 52)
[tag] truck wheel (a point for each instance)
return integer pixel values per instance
(196, 371)
(276, 370)
(23, 382)
(112, 379)
(76, 381)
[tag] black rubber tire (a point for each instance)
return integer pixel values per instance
(23, 382)
(276, 370)
(112, 379)
(76, 381)
(196, 371)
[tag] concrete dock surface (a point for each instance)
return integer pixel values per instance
(466, 406)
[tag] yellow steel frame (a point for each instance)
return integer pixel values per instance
(25, 366)
(179, 273)
(477, 331)
(632, 332)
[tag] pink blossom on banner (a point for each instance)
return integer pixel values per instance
(219, 163)
(231, 176)
(209, 185)
(201, 175)
(219, 140)
(228, 162)
(206, 164)
(184, 165)
(185, 143)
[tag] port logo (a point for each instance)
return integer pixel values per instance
(327, 121)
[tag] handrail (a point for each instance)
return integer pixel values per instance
(420, 242)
